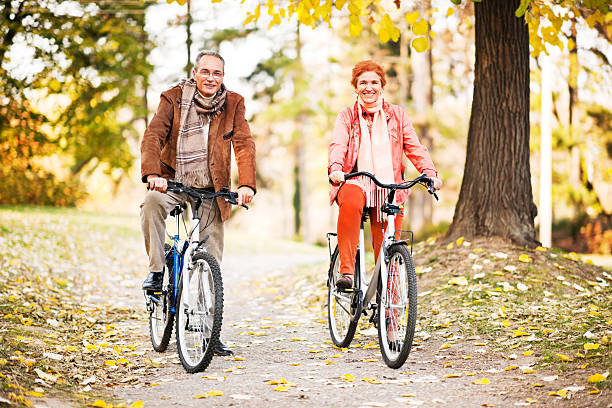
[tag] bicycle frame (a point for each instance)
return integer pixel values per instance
(380, 270)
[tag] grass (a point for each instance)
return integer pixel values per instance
(551, 302)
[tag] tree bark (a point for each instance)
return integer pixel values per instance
(496, 197)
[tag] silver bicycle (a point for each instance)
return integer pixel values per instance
(389, 295)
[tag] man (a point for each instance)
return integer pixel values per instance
(189, 140)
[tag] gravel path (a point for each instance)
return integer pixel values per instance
(278, 336)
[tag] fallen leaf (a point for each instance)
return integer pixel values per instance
(591, 346)
(563, 357)
(484, 381)
(348, 377)
(560, 393)
(458, 281)
(137, 404)
(98, 403)
(445, 346)
(596, 378)
(452, 375)
(528, 353)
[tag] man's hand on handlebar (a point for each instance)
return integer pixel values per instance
(157, 183)
(336, 177)
(245, 195)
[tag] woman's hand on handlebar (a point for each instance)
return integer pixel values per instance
(437, 183)
(336, 177)
(157, 183)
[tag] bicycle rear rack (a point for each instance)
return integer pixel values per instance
(329, 235)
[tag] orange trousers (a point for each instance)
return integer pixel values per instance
(351, 201)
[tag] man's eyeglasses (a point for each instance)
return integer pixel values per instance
(215, 74)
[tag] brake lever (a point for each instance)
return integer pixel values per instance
(232, 200)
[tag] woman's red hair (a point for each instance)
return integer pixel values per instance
(368, 66)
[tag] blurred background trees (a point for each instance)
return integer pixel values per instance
(73, 79)
(82, 96)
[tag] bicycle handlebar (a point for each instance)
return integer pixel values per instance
(204, 194)
(422, 179)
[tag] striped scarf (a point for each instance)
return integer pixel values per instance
(192, 146)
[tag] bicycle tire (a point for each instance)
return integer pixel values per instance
(196, 350)
(341, 326)
(397, 308)
(161, 318)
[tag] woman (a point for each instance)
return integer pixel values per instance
(370, 136)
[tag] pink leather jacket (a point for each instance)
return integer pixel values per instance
(344, 146)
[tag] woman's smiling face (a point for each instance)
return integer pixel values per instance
(369, 87)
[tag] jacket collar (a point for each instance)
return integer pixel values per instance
(386, 108)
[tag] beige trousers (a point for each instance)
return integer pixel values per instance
(153, 212)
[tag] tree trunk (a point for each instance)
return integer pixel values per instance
(189, 21)
(496, 197)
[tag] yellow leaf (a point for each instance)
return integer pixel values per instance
(519, 332)
(583, 366)
(591, 346)
(238, 358)
(524, 258)
(110, 362)
(510, 368)
(122, 361)
(445, 346)
(281, 380)
(484, 381)
(35, 394)
(411, 18)
(560, 393)
(595, 391)
(337, 355)
(137, 404)
(467, 357)
(528, 353)
(505, 323)
(529, 371)
(563, 357)
(452, 375)
(531, 400)
(315, 351)
(369, 360)
(215, 393)
(98, 403)
(596, 378)
(458, 280)
(281, 388)
(295, 364)
(460, 239)
(200, 396)
(452, 244)
(348, 377)
(450, 12)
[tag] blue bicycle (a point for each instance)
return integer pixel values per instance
(192, 288)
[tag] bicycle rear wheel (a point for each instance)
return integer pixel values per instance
(397, 308)
(339, 313)
(161, 318)
(199, 313)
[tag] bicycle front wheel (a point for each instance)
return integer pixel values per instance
(397, 308)
(161, 318)
(199, 313)
(341, 326)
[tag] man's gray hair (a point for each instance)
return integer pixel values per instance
(211, 53)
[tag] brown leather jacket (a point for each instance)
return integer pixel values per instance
(158, 147)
